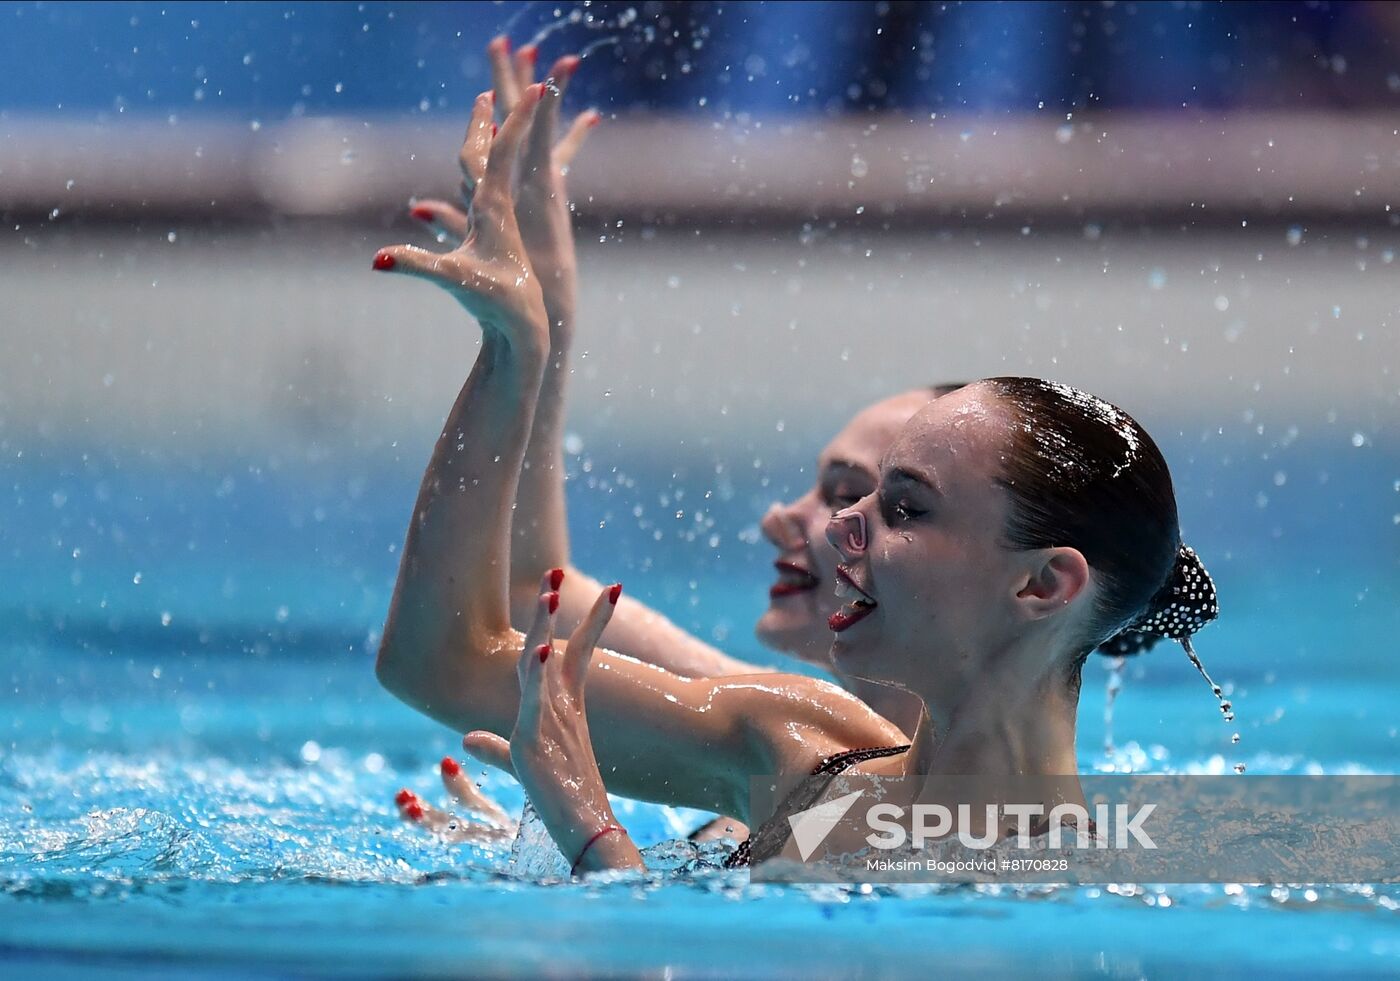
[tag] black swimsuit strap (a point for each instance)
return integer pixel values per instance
(841, 761)
(769, 839)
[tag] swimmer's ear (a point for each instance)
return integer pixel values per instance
(1055, 578)
(490, 749)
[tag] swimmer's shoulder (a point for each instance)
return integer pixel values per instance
(794, 722)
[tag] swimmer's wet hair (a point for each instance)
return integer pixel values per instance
(1083, 474)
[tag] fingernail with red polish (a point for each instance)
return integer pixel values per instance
(421, 213)
(403, 797)
(493, 129)
(450, 767)
(556, 578)
(553, 602)
(595, 119)
(383, 262)
(614, 591)
(414, 811)
(530, 53)
(543, 652)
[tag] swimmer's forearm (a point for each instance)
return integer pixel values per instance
(540, 536)
(452, 585)
(540, 532)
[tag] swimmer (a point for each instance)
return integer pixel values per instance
(802, 598)
(1016, 526)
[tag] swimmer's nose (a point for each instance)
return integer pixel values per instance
(847, 533)
(779, 528)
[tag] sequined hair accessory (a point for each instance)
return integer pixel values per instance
(1184, 604)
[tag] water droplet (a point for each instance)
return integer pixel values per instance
(1239, 767)
(1295, 235)
(136, 579)
(1358, 440)
(859, 166)
(165, 619)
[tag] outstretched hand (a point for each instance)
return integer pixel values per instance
(541, 208)
(490, 272)
(550, 751)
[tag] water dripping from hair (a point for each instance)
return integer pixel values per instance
(1227, 710)
(1110, 694)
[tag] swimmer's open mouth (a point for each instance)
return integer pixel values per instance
(792, 579)
(861, 606)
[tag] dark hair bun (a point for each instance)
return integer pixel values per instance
(1185, 603)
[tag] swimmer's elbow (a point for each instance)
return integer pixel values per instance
(461, 685)
(389, 671)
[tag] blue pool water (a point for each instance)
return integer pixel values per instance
(197, 767)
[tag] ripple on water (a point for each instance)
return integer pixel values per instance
(72, 831)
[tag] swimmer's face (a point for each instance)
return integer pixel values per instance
(929, 585)
(802, 597)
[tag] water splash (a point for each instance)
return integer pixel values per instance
(514, 18)
(600, 43)
(1110, 694)
(574, 16)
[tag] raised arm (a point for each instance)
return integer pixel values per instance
(539, 535)
(448, 647)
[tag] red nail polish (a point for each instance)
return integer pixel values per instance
(556, 578)
(553, 602)
(403, 797)
(595, 120)
(383, 262)
(614, 591)
(450, 767)
(543, 652)
(530, 53)
(493, 129)
(414, 811)
(421, 213)
(570, 64)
